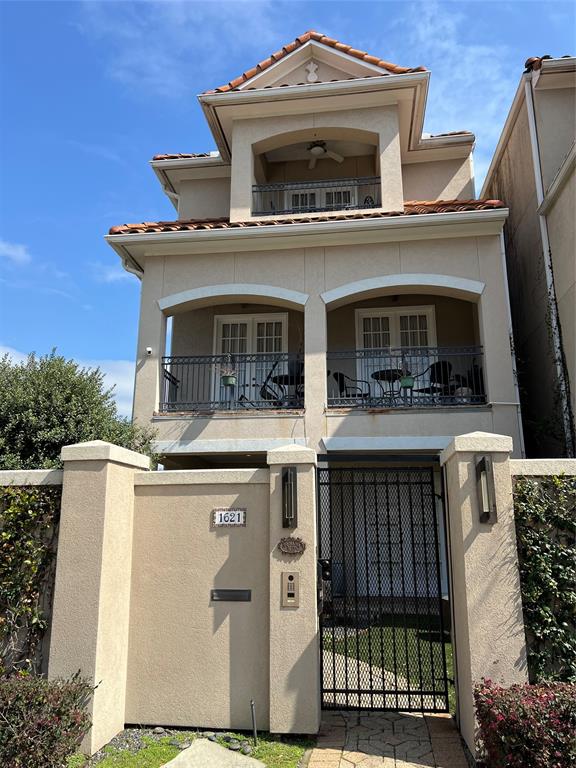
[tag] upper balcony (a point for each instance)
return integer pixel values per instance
(336, 171)
(316, 196)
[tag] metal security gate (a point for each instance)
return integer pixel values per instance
(383, 640)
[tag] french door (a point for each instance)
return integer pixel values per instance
(386, 336)
(250, 342)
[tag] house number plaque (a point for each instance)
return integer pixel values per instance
(228, 517)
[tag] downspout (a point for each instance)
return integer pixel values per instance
(549, 273)
(512, 347)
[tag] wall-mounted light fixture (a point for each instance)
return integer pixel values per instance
(486, 490)
(289, 498)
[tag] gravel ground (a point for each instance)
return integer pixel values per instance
(132, 740)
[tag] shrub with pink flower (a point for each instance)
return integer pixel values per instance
(527, 725)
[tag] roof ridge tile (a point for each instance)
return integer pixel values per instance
(301, 40)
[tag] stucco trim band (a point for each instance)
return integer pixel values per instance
(543, 467)
(262, 445)
(246, 290)
(203, 477)
(31, 477)
(404, 443)
(461, 285)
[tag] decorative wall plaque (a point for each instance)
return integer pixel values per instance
(291, 545)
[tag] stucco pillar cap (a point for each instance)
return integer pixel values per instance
(477, 442)
(99, 450)
(291, 454)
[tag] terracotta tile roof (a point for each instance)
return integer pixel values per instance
(412, 208)
(535, 62)
(387, 66)
(183, 156)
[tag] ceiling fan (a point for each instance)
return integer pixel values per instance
(317, 151)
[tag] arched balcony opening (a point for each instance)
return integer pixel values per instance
(241, 351)
(323, 170)
(404, 348)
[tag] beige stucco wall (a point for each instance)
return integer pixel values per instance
(513, 181)
(204, 199)
(297, 170)
(203, 661)
(488, 627)
(555, 110)
(92, 590)
(439, 180)
(313, 271)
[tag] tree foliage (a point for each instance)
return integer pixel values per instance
(48, 402)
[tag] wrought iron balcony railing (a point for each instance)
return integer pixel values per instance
(424, 377)
(232, 382)
(316, 196)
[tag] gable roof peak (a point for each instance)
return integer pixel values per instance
(312, 35)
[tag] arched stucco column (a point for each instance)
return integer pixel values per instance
(152, 335)
(315, 348)
(488, 627)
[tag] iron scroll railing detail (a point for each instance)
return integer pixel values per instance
(232, 382)
(425, 377)
(315, 196)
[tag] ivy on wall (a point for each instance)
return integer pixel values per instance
(545, 512)
(29, 519)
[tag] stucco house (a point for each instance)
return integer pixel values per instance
(533, 169)
(323, 320)
(335, 259)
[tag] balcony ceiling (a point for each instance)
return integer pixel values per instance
(299, 151)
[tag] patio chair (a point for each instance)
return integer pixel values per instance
(349, 388)
(441, 383)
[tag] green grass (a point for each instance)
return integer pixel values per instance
(270, 750)
(406, 651)
(276, 753)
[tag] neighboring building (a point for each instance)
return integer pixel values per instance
(533, 171)
(330, 279)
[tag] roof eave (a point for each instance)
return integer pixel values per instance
(491, 220)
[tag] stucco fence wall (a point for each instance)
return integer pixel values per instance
(139, 555)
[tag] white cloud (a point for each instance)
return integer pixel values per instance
(117, 373)
(156, 45)
(97, 150)
(472, 83)
(109, 273)
(15, 252)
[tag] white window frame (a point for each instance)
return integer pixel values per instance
(394, 314)
(251, 319)
(320, 193)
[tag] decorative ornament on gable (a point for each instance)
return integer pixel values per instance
(312, 69)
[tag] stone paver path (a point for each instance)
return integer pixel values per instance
(387, 740)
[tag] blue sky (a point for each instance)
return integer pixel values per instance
(91, 90)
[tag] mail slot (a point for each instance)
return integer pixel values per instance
(231, 595)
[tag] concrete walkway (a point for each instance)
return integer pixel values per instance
(387, 740)
(208, 754)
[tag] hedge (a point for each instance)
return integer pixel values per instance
(527, 725)
(42, 722)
